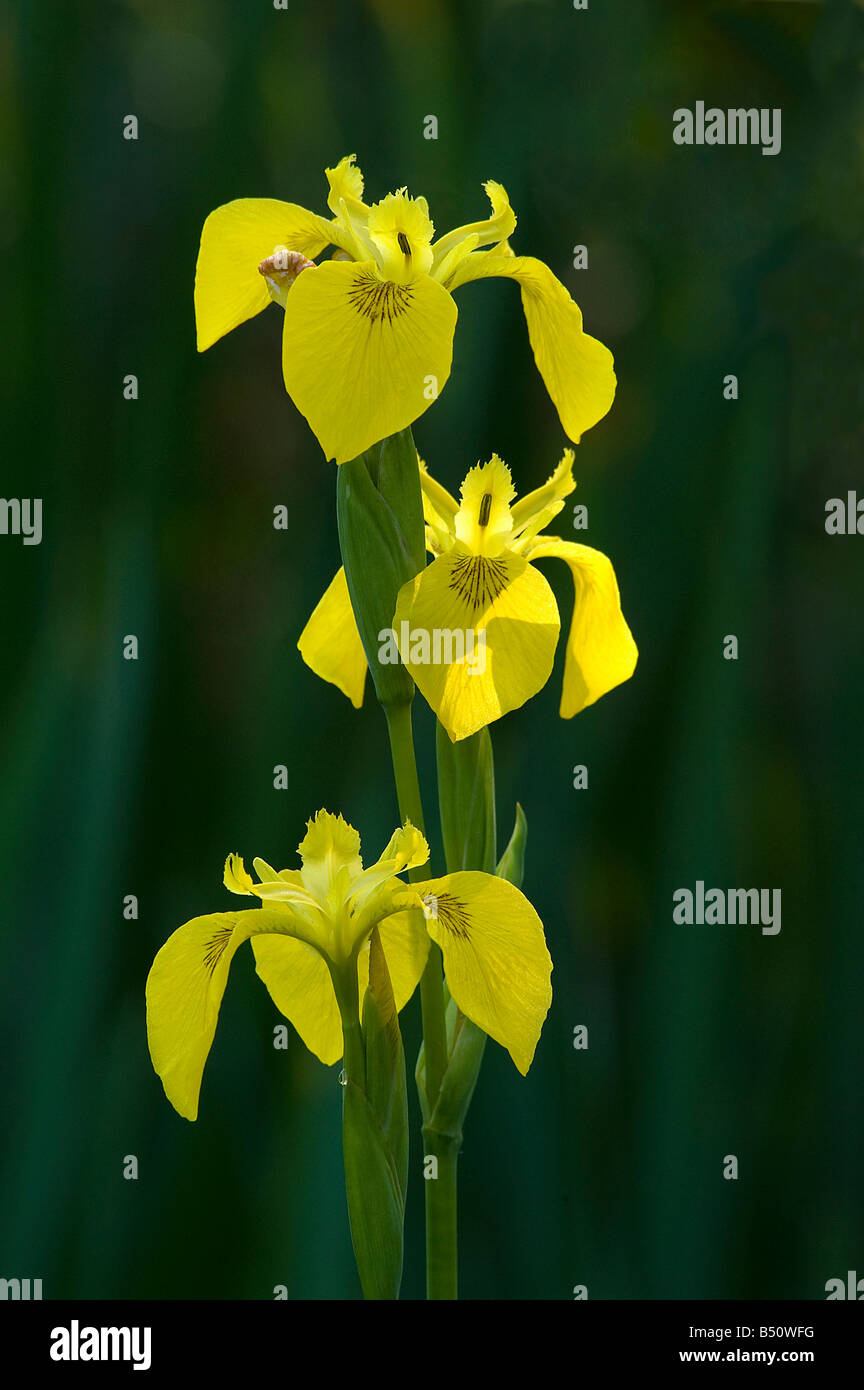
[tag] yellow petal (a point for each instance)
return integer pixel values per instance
(401, 231)
(299, 983)
(439, 512)
(484, 521)
(329, 845)
(364, 357)
(185, 988)
(330, 643)
(451, 249)
(478, 636)
(267, 873)
(533, 512)
(236, 238)
(346, 187)
(406, 848)
(576, 369)
(378, 892)
(601, 652)
(184, 994)
(406, 946)
(236, 876)
(282, 892)
(442, 504)
(496, 962)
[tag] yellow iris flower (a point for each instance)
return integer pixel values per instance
(319, 919)
(482, 587)
(368, 335)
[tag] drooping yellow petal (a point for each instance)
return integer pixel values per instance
(496, 962)
(184, 993)
(577, 370)
(363, 357)
(330, 643)
(478, 635)
(601, 652)
(299, 983)
(236, 238)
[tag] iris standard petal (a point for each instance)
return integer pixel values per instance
(478, 635)
(577, 370)
(601, 652)
(484, 521)
(533, 512)
(494, 229)
(346, 188)
(330, 643)
(497, 965)
(236, 877)
(329, 845)
(363, 357)
(407, 849)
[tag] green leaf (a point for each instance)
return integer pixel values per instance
(460, 1078)
(379, 510)
(512, 862)
(386, 1084)
(375, 1204)
(375, 1140)
(398, 482)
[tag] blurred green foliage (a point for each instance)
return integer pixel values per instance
(604, 1167)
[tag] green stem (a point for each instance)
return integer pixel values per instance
(405, 768)
(441, 1190)
(441, 1215)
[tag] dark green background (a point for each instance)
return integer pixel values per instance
(603, 1167)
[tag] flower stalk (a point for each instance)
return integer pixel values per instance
(381, 536)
